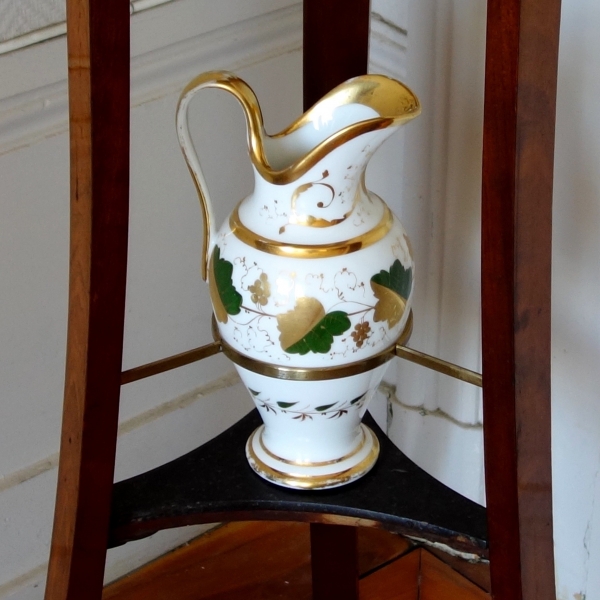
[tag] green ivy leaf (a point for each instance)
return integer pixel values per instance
(356, 399)
(253, 392)
(398, 279)
(320, 337)
(286, 404)
(324, 407)
(392, 289)
(230, 298)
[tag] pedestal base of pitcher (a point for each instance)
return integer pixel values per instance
(312, 476)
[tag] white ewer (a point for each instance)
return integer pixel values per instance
(311, 277)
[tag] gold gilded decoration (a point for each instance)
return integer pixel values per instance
(302, 463)
(361, 333)
(315, 251)
(393, 101)
(296, 323)
(299, 217)
(252, 291)
(392, 289)
(313, 374)
(260, 290)
(408, 244)
(307, 328)
(390, 306)
(308, 481)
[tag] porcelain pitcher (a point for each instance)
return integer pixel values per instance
(310, 277)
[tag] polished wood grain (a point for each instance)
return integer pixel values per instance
(438, 581)
(98, 46)
(398, 580)
(269, 560)
(477, 572)
(419, 576)
(242, 561)
(518, 156)
(336, 44)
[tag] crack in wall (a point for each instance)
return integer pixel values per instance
(389, 391)
(588, 535)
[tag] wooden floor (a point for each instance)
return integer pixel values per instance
(271, 561)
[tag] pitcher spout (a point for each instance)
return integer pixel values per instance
(315, 166)
(362, 105)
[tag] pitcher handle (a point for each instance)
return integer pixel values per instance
(246, 97)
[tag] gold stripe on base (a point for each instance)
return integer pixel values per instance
(300, 463)
(313, 482)
(317, 251)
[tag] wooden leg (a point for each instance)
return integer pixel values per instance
(334, 561)
(98, 44)
(518, 160)
(336, 44)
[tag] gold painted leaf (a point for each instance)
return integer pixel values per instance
(296, 323)
(390, 306)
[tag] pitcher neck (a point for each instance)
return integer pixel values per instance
(328, 204)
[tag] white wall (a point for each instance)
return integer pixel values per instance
(437, 422)
(576, 288)
(434, 419)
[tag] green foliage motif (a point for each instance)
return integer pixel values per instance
(397, 279)
(230, 297)
(320, 337)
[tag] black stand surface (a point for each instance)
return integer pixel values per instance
(214, 483)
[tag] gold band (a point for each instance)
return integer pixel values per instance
(300, 463)
(307, 481)
(316, 251)
(313, 373)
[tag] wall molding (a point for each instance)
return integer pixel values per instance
(42, 112)
(34, 576)
(52, 30)
(387, 47)
(144, 418)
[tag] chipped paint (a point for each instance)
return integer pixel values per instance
(472, 558)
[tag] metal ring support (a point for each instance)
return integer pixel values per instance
(398, 349)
